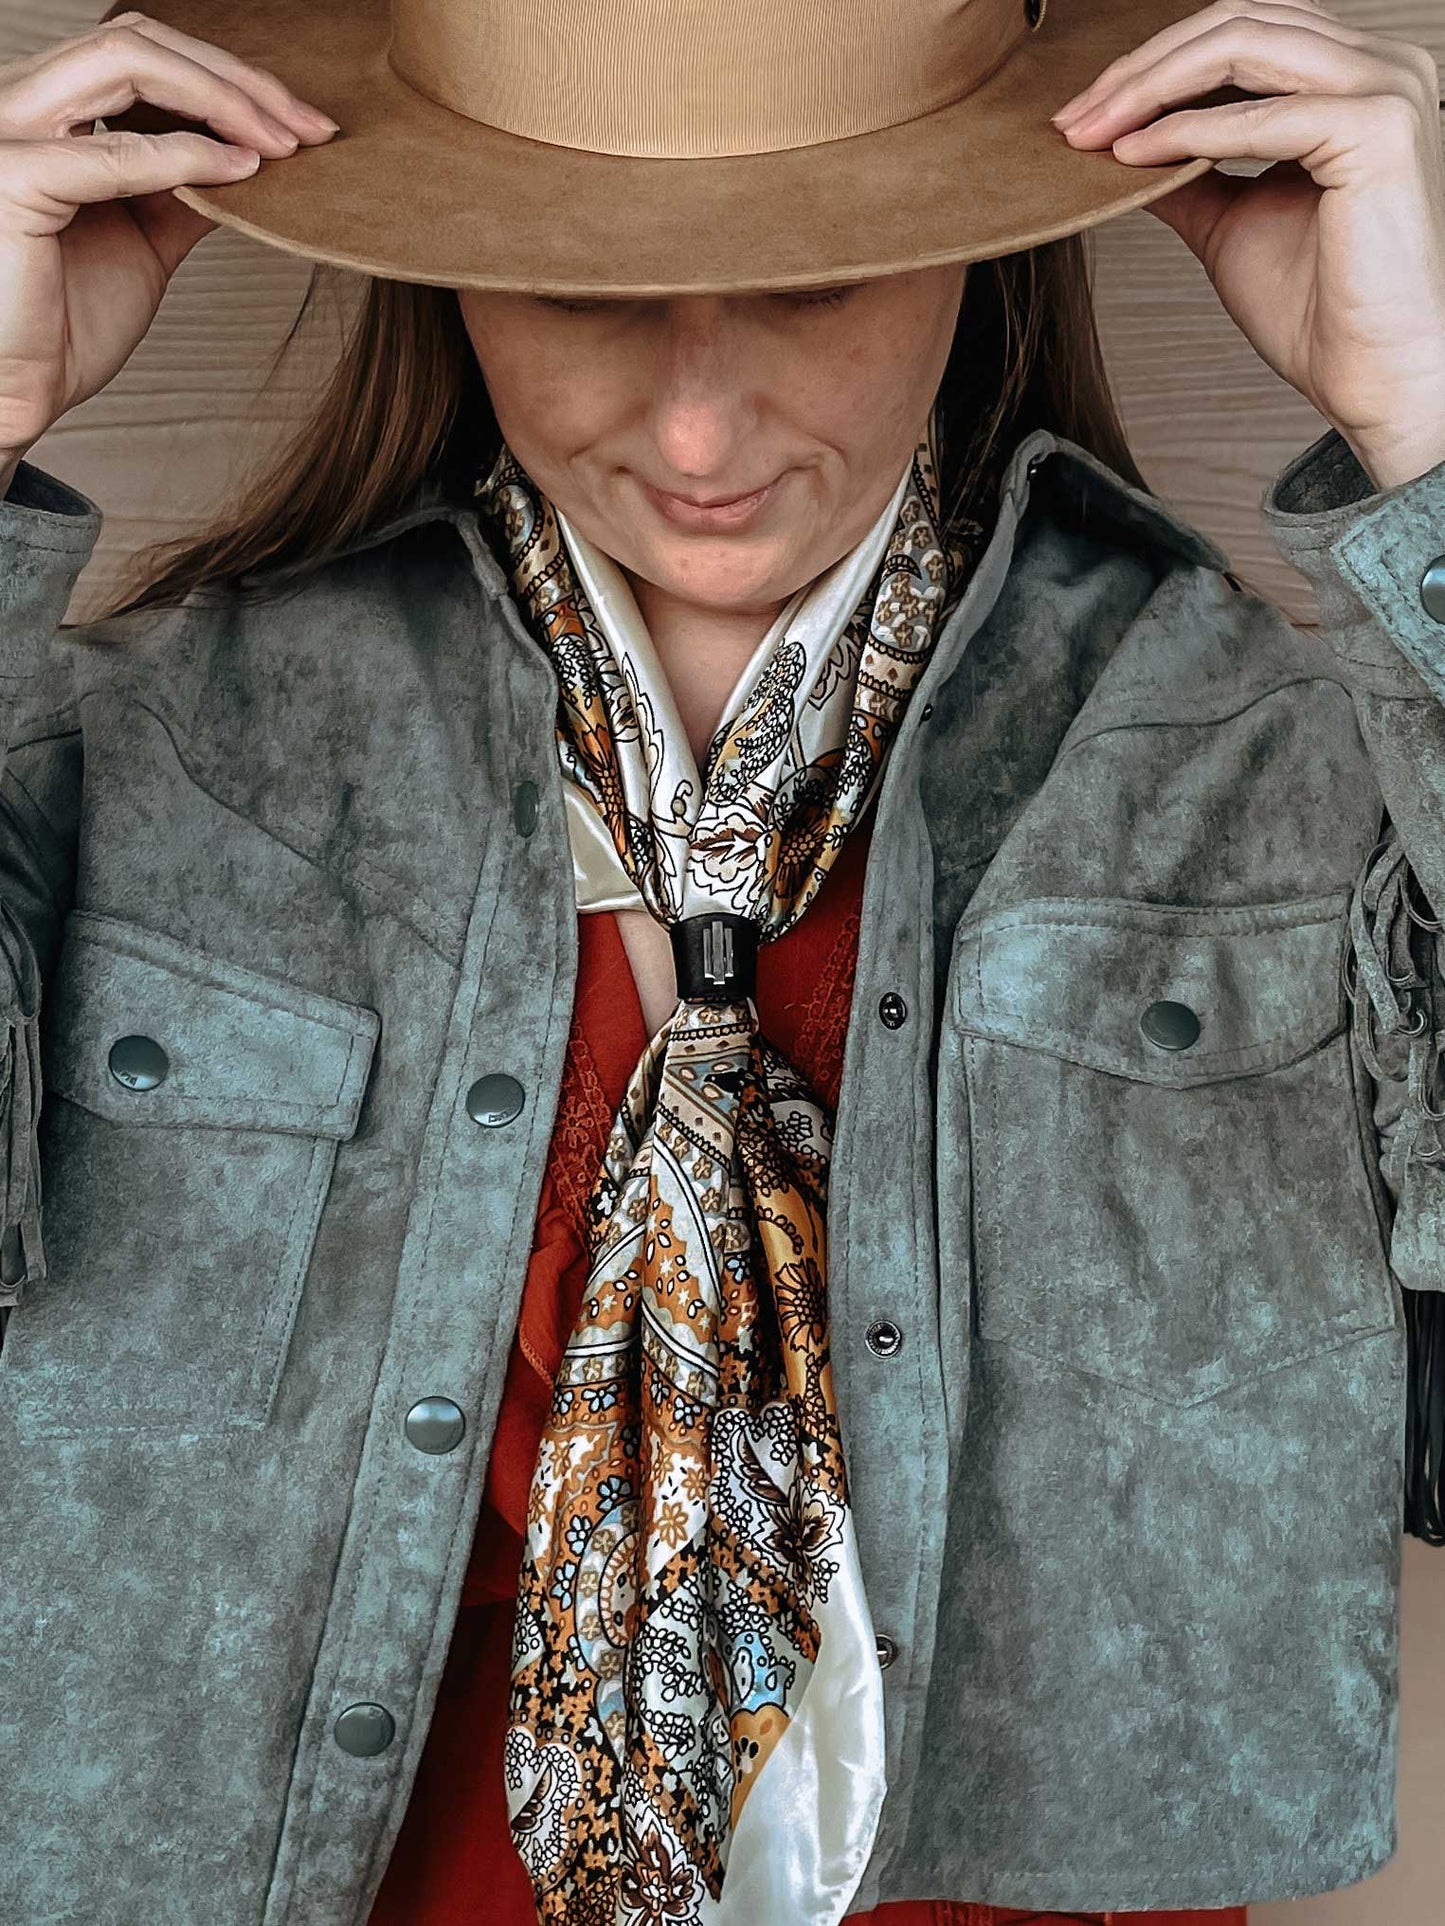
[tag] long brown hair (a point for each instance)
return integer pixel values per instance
(406, 409)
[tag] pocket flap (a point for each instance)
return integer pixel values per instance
(242, 1050)
(1075, 978)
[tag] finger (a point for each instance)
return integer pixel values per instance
(1318, 130)
(1128, 66)
(46, 180)
(274, 95)
(109, 73)
(1259, 57)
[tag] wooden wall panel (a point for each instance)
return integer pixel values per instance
(1210, 423)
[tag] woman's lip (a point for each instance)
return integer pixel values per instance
(721, 516)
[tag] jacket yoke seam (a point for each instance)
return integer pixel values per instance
(382, 900)
(49, 726)
(1204, 718)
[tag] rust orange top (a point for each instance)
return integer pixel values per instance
(453, 1863)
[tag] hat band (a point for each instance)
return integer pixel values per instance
(698, 79)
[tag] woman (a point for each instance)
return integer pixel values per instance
(421, 1422)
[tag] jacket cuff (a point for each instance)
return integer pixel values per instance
(48, 532)
(1367, 553)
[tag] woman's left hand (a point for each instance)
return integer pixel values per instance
(1332, 261)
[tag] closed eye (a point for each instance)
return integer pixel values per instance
(800, 297)
(821, 298)
(572, 307)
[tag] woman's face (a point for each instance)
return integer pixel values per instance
(817, 402)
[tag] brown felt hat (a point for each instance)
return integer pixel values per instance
(652, 147)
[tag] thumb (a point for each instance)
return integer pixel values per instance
(171, 227)
(1193, 209)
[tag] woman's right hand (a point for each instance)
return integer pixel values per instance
(90, 233)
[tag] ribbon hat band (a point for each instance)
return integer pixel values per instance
(693, 79)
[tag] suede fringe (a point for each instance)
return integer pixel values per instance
(1393, 979)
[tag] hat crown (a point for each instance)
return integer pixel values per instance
(693, 79)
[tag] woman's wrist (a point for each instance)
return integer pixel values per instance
(1405, 460)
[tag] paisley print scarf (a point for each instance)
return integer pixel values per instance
(696, 1726)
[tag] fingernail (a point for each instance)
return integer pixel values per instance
(323, 121)
(279, 131)
(245, 160)
(1091, 99)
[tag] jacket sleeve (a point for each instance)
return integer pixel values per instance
(47, 534)
(1377, 561)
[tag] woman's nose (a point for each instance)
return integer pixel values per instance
(705, 391)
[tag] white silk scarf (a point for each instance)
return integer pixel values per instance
(814, 620)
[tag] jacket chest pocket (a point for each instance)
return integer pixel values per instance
(191, 1115)
(1169, 1180)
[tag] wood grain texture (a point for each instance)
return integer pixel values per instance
(1210, 425)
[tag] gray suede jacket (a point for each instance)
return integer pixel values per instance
(1124, 1194)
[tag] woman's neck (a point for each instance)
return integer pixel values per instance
(702, 652)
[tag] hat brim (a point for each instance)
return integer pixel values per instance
(411, 191)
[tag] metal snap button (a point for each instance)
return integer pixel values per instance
(1170, 1026)
(138, 1062)
(887, 1650)
(525, 799)
(884, 1338)
(1432, 589)
(364, 1730)
(893, 1010)
(435, 1424)
(494, 1099)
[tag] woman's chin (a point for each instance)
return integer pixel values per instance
(737, 579)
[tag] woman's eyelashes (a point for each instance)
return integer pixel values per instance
(807, 298)
(828, 298)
